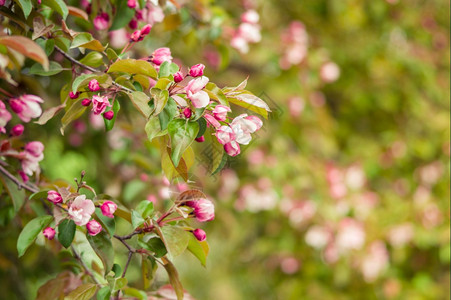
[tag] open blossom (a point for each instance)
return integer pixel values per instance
(32, 155)
(101, 21)
(197, 70)
(161, 55)
(108, 208)
(99, 104)
(152, 13)
(250, 16)
(194, 92)
(199, 234)
(26, 107)
(49, 233)
(5, 116)
(93, 227)
(225, 134)
(247, 32)
(203, 209)
(93, 85)
(243, 126)
(81, 210)
(220, 112)
(54, 196)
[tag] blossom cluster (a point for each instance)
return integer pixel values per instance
(248, 31)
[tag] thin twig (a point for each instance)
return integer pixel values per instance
(130, 254)
(87, 271)
(19, 184)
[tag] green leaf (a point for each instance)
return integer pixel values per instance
(104, 293)
(145, 208)
(83, 292)
(54, 68)
(85, 40)
(153, 128)
(135, 293)
(167, 68)
(157, 246)
(133, 66)
(30, 232)
(93, 59)
(163, 83)
(160, 98)
(123, 16)
(117, 270)
(82, 80)
(216, 93)
(148, 269)
(202, 127)
(182, 134)
(57, 5)
(250, 102)
(26, 7)
(141, 102)
(168, 113)
(38, 195)
(102, 245)
(117, 283)
(108, 223)
(218, 164)
(174, 278)
(17, 196)
(66, 232)
(73, 113)
(109, 124)
(111, 54)
(199, 249)
(176, 240)
(137, 219)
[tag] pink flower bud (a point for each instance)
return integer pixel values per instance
(86, 102)
(232, 148)
(23, 176)
(93, 85)
(17, 130)
(220, 112)
(187, 112)
(146, 30)
(200, 139)
(101, 21)
(133, 24)
(108, 115)
(49, 233)
(161, 55)
(178, 76)
(203, 209)
(93, 227)
(108, 208)
(26, 107)
(136, 36)
(73, 95)
(35, 149)
(99, 104)
(199, 234)
(131, 3)
(211, 121)
(197, 70)
(54, 196)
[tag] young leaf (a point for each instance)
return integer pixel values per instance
(157, 246)
(81, 80)
(26, 47)
(54, 288)
(30, 232)
(58, 6)
(104, 293)
(148, 269)
(54, 68)
(124, 15)
(140, 101)
(26, 6)
(175, 238)
(83, 292)
(93, 59)
(199, 249)
(182, 134)
(66, 232)
(153, 128)
(137, 219)
(167, 68)
(102, 245)
(202, 127)
(85, 40)
(168, 113)
(145, 208)
(133, 66)
(109, 124)
(160, 98)
(73, 113)
(250, 102)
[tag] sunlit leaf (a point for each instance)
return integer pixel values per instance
(133, 66)
(83, 292)
(26, 47)
(141, 101)
(182, 134)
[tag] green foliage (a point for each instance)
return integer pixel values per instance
(30, 232)
(66, 232)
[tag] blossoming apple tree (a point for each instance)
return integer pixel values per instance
(180, 105)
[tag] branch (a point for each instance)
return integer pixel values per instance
(76, 62)
(20, 185)
(87, 271)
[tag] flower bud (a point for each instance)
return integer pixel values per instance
(161, 55)
(187, 112)
(108, 115)
(54, 196)
(108, 208)
(86, 102)
(232, 148)
(197, 70)
(73, 95)
(146, 30)
(49, 233)
(101, 21)
(203, 209)
(17, 130)
(93, 227)
(136, 36)
(93, 85)
(131, 3)
(133, 24)
(178, 76)
(199, 234)
(200, 139)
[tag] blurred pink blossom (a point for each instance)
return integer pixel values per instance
(350, 235)
(375, 262)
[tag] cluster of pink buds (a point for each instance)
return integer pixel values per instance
(247, 32)
(139, 35)
(101, 21)
(80, 211)
(26, 107)
(295, 41)
(99, 103)
(150, 14)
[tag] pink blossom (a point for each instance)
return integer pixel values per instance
(81, 210)
(32, 155)
(101, 21)
(23, 176)
(200, 139)
(194, 92)
(187, 112)
(178, 76)
(119, 38)
(161, 55)
(146, 29)
(220, 112)
(17, 130)
(296, 106)
(26, 107)
(93, 85)
(375, 262)
(136, 36)
(99, 104)
(250, 32)
(289, 265)
(49, 233)
(232, 148)
(250, 16)
(5, 117)
(203, 209)
(351, 235)
(133, 24)
(212, 121)
(199, 234)
(93, 227)
(153, 14)
(240, 44)
(108, 208)
(54, 196)
(317, 237)
(131, 3)
(243, 126)
(329, 72)
(225, 134)
(108, 115)
(197, 70)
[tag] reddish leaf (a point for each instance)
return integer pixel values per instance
(26, 47)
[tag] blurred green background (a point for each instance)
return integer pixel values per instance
(344, 192)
